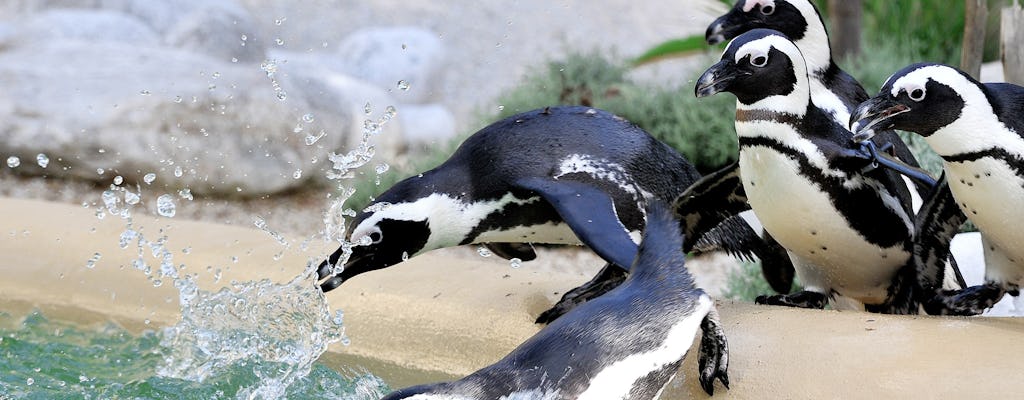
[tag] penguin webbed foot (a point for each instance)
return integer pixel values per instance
(973, 300)
(610, 277)
(801, 299)
(714, 354)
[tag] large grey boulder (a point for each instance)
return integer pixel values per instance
(85, 25)
(385, 56)
(223, 30)
(145, 110)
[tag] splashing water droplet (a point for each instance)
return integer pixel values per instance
(42, 160)
(186, 194)
(484, 251)
(280, 21)
(178, 172)
(13, 162)
(157, 283)
(118, 180)
(131, 197)
(297, 174)
(310, 139)
(30, 381)
(403, 85)
(381, 168)
(279, 41)
(165, 205)
(100, 171)
(405, 256)
(281, 95)
(515, 263)
(149, 178)
(367, 109)
(307, 118)
(92, 261)
(501, 108)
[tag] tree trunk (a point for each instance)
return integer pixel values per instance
(975, 15)
(846, 16)
(1012, 33)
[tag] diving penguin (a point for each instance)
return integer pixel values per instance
(978, 130)
(848, 231)
(836, 92)
(562, 175)
(628, 343)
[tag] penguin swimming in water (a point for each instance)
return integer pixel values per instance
(978, 130)
(627, 343)
(834, 91)
(562, 175)
(849, 231)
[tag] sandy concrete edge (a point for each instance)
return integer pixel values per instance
(455, 314)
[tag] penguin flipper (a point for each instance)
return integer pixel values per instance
(710, 201)
(590, 213)
(508, 251)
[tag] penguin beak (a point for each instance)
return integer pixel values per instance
(724, 28)
(361, 260)
(716, 79)
(874, 115)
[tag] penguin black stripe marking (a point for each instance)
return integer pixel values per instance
(628, 343)
(978, 130)
(848, 231)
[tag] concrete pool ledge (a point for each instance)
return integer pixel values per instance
(452, 314)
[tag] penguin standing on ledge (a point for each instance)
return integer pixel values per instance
(978, 130)
(849, 232)
(833, 90)
(561, 175)
(628, 343)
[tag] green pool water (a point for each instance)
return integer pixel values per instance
(46, 358)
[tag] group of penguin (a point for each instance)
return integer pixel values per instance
(839, 195)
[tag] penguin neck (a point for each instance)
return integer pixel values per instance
(759, 117)
(978, 129)
(814, 43)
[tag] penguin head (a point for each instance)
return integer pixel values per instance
(791, 17)
(921, 98)
(757, 65)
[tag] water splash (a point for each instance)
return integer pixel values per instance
(13, 161)
(165, 205)
(43, 160)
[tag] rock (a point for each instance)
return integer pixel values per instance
(426, 126)
(148, 110)
(85, 25)
(385, 56)
(223, 30)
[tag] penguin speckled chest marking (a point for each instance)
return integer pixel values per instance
(850, 231)
(628, 343)
(557, 175)
(978, 130)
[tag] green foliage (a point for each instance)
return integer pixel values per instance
(700, 129)
(746, 283)
(673, 48)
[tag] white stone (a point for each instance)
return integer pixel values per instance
(123, 115)
(85, 25)
(385, 56)
(426, 126)
(217, 29)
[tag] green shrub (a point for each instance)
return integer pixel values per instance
(746, 283)
(700, 129)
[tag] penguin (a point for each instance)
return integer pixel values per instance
(978, 130)
(559, 175)
(834, 91)
(628, 343)
(848, 228)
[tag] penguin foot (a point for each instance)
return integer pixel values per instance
(970, 301)
(607, 279)
(801, 299)
(714, 353)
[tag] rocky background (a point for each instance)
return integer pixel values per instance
(241, 102)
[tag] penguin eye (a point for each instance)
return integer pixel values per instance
(376, 236)
(767, 9)
(916, 94)
(759, 61)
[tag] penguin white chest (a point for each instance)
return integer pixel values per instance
(803, 218)
(991, 194)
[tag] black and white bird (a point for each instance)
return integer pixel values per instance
(978, 130)
(849, 231)
(628, 343)
(834, 91)
(559, 175)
